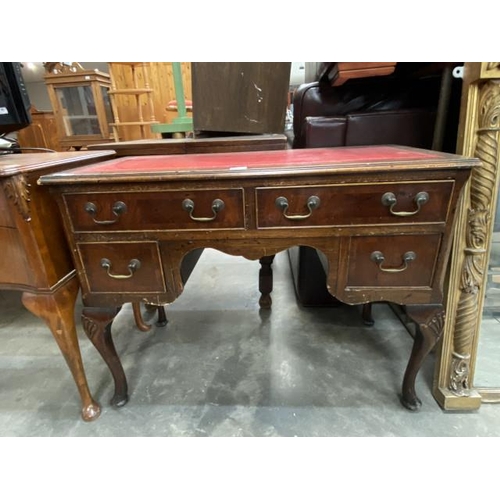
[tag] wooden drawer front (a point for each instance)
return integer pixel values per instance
(147, 277)
(158, 210)
(356, 204)
(364, 272)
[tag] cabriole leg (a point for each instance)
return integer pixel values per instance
(430, 323)
(57, 310)
(97, 323)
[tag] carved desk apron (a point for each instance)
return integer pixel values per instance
(382, 216)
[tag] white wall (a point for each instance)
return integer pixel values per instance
(297, 73)
(39, 97)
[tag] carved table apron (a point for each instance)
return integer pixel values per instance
(382, 216)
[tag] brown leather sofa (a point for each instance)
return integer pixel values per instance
(397, 109)
(366, 112)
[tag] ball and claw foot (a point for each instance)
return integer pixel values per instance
(91, 412)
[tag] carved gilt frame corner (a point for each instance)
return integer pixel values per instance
(479, 136)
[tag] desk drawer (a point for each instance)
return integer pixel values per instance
(156, 210)
(393, 261)
(122, 267)
(354, 204)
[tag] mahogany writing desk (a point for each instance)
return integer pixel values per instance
(35, 256)
(382, 216)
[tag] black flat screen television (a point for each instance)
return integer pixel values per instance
(14, 99)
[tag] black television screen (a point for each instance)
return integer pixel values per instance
(14, 100)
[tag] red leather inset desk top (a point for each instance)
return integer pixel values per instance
(281, 163)
(257, 159)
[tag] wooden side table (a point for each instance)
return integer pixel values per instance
(36, 259)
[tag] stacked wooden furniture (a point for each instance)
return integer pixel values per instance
(139, 89)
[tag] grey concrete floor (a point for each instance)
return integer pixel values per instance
(222, 367)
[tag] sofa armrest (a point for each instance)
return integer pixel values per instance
(406, 127)
(322, 131)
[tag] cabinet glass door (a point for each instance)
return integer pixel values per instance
(78, 108)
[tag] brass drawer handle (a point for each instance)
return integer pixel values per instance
(378, 258)
(313, 203)
(133, 266)
(217, 206)
(119, 208)
(389, 200)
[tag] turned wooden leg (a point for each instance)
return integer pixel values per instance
(162, 316)
(266, 281)
(58, 310)
(430, 323)
(97, 323)
(367, 314)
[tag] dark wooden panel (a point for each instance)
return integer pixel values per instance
(240, 97)
(354, 204)
(157, 210)
(363, 272)
(264, 142)
(147, 278)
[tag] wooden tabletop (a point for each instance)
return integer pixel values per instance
(148, 168)
(13, 164)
